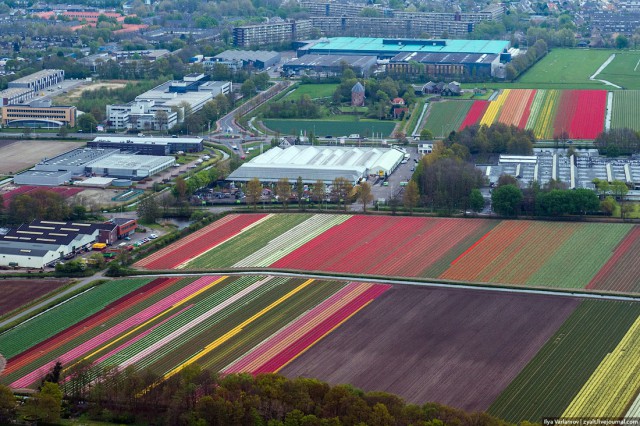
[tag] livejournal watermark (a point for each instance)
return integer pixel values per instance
(590, 421)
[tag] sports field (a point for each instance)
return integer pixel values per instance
(624, 70)
(562, 67)
(315, 91)
(344, 127)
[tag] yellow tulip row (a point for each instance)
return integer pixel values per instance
(614, 384)
(491, 114)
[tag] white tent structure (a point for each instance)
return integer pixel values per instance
(314, 163)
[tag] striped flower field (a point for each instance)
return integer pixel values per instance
(250, 324)
(595, 256)
(548, 113)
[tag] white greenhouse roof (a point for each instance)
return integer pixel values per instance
(318, 162)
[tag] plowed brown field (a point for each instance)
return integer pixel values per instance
(16, 293)
(452, 346)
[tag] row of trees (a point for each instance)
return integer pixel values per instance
(498, 138)
(198, 397)
(616, 142)
(40, 204)
(554, 199)
(521, 63)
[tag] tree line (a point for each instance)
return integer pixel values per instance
(197, 396)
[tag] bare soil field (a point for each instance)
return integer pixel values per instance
(456, 347)
(77, 92)
(16, 293)
(21, 154)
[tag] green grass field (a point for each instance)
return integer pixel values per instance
(624, 70)
(313, 90)
(580, 258)
(626, 105)
(445, 117)
(548, 384)
(563, 67)
(340, 126)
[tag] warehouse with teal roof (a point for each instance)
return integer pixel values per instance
(460, 59)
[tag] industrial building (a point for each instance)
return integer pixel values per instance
(150, 145)
(87, 161)
(330, 64)
(157, 108)
(16, 95)
(38, 115)
(40, 80)
(129, 166)
(433, 57)
(237, 59)
(41, 242)
(314, 163)
(271, 33)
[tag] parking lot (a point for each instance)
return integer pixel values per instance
(403, 173)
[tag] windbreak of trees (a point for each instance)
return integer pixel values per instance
(40, 204)
(445, 180)
(495, 139)
(199, 397)
(521, 63)
(551, 200)
(616, 142)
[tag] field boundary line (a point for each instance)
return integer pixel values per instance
(415, 281)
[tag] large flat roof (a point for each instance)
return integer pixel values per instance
(78, 157)
(133, 162)
(146, 140)
(390, 45)
(331, 60)
(445, 58)
(318, 162)
(35, 76)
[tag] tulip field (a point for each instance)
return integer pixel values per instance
(595, 256)
(251, 324)
(549, 113)
(517, 356)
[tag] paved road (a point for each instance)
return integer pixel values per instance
(60, 296)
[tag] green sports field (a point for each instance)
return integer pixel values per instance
(344, 127)
(314, 91)
(624, 70)
(562, 68)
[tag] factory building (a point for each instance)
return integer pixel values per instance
(148, 145)
(237, 59)
(41, 242)
(330, 64)
(40, 80)
(93, 161)
(433, 57)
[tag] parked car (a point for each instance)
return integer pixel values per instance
(153, 236)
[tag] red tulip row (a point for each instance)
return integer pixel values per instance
(588, 120)
(475, 114)
(286, 345)
(198, 242)
(381, 245)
